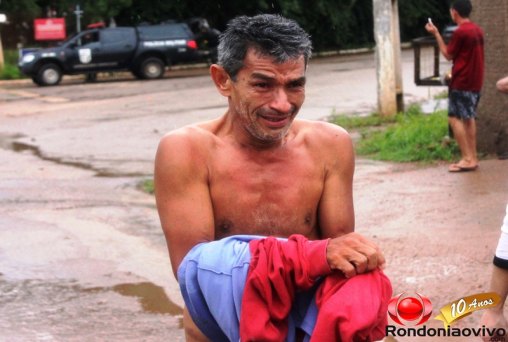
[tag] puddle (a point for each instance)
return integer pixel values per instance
(63, 310)
(153, 298)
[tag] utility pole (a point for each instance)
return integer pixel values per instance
(78, 12)
(397, 54)
(1, 53)
(3, 20)
(388, 57)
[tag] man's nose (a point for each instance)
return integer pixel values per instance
(280, 101)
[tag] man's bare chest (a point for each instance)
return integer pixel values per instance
(270, 196)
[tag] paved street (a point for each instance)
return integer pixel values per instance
(82, 255)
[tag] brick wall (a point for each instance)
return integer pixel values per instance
(492, 16)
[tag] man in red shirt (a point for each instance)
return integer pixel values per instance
(466, 50)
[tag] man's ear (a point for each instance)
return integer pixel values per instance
(221, 79)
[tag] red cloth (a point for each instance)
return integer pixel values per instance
(466, 49)
(349, 309)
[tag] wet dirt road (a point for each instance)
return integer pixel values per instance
(82, 256)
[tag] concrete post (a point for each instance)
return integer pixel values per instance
(3, 19)
(385, 57)
(399, 88)
(1, 52)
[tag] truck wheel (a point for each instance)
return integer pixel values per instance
(35, 80)
(49, 75)
(152, 68)
(136, 73)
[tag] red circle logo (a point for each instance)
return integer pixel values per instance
(407, 309)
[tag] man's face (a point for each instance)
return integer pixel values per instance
(266, 96)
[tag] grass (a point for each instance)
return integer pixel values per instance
(361, 122)
(10, 70)
(408, 137)
(442, 95)
(147, 186)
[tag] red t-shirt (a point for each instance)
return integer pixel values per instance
(352, 309)
(466, 49)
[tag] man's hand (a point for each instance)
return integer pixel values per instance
(353, 254)
(502, 85)
(431, 28)
(440, 42)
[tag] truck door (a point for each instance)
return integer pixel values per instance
(117, 46)
(79, 51)
(101, 49)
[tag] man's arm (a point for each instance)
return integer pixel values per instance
(502, 85)
(347, 251)
(440, 41)
(336, 212)
(182, 194)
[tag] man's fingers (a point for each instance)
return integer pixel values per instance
(354, 254)
(374, 255)
(360, 262)
(356, 263)
(367, 259)
(373, 261)
(347, 268)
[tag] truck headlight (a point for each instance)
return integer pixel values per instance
(27, 58)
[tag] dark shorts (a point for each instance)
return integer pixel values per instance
(462, 104)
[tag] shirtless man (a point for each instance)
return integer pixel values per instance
(257, 169)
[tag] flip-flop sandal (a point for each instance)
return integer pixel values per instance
(458, 168)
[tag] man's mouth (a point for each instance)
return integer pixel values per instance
(275, 121)
(274, 118)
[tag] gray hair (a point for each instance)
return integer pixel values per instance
(271, 35)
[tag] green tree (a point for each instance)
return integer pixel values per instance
(333, 24)
(413, 15)
(20, 14)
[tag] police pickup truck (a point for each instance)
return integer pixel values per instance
(144, 50)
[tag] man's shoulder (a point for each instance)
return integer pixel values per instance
(187, 144)
(467, 28)
(321, 131)
(189, 135)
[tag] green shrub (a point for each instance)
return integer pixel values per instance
(411, 137)
(10, 70)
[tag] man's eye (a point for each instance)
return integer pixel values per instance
(262, 85)
(296, 85)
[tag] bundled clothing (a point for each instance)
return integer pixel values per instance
(253, 288)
